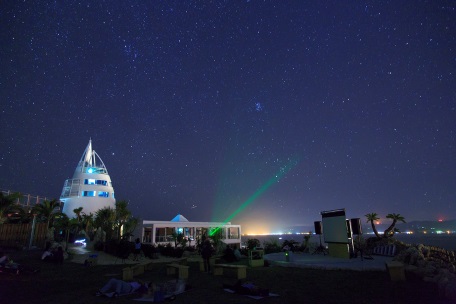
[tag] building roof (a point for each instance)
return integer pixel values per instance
(179, 218)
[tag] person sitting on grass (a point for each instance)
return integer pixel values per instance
(54, 256)
(248, 288)
(47, 256)
(4, 259)
(9, 266)
(165, 291)
(115, 287)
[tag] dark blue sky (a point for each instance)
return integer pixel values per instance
(194, 106)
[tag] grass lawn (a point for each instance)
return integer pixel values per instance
(75, 283)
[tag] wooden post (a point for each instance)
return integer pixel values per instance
(32, 234)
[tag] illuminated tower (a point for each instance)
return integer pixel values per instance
(90, 188)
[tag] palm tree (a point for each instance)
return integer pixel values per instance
(105, 218)
(87, 224)
(77, 220)
(16, 213)
(122, 216)
(130, 226)
(174, 236)
(78, 212)
(6, 203)
(372, 217)
(389, 232)
(46, 210)
(63, 223)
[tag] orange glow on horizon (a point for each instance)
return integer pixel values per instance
(256, 233)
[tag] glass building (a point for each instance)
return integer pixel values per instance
(161, 232)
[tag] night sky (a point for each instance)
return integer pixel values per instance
(271, 111)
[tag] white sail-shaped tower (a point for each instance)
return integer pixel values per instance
(90, 188)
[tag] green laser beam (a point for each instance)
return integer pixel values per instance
(261, 190)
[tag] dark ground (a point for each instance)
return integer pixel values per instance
(75, 283)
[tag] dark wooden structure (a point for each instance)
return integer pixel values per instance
(18, 235)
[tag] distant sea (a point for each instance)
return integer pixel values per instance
(446, 241)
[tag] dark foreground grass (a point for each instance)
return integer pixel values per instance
(75, 283)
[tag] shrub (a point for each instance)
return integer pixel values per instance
(253, 243)
(272, 246)
(178, 252)
(168, 250)
(149, 250)
(98, 246)
(292, 245)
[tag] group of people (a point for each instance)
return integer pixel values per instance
(207, 250)
(231, 255)
(159, 292)
(115, 288)
(9, 266)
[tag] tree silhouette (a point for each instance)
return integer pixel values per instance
(372, 217)
(389, 232)
(7, 202)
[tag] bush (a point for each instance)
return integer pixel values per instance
(178, 252)
(149, 251)
(292, 245)
(272, 246)
(244, 251)
(253, 243)
(167, 250)
(190, 249)
(98, 246)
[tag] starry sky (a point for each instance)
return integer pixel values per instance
(263, 112)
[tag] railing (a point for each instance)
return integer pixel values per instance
(71, 188)
(27, 199)
(163, 239)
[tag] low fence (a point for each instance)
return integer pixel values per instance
(27, 200)
(18, 235)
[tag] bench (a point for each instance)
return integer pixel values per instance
(396, 271)
(212, 261)
(182, 270)
(148, 265)
(129, 272)
(241, 270)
